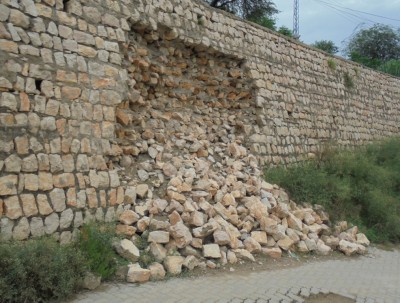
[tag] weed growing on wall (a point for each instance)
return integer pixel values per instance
(332, 64)
(362, 186)
(95, 242)
(348, 80)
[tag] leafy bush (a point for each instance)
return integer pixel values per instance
(95, 242)
(348, 80)
(332, 64)
(362, 186)
(391, 67)
(39, 271)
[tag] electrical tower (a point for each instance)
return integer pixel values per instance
(296, 9)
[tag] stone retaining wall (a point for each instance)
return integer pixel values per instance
(87, 88)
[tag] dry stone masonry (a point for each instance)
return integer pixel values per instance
(161, 114)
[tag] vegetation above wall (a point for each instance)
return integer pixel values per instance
(377, 47)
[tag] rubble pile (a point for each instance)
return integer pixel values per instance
(212, 215)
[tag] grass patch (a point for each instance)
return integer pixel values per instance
(361, 186)
(348, 80)
(39, 271)
(332, 64)
(95, 242)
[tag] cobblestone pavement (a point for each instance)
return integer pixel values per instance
(368, 279)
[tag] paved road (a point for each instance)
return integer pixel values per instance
(372, 278)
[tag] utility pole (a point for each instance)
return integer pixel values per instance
(296, 9)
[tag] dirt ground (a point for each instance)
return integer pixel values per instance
(329, 298)
(266, 263)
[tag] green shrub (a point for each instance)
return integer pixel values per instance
(332, 64)
(348, 80)
(391, 67)
(95, 242)
(362, 186)
(39, 271)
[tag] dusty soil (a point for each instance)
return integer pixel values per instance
(329, 298)
(265, 263)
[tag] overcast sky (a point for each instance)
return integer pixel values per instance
(329, 20)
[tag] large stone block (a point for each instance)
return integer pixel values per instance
(8, 185)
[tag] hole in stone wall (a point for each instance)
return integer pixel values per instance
(65, 3)
(38, 84)
(290, 113)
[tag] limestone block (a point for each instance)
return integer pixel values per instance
(21, 230)
(28, 202)
(13, 164)
(37, 227)
(43, 205)
(127, 250)
(128, 217)
(173, 264)
(136, 274)
(158, 237)
(211, 251)
(58, 199)
(12, 207)
(51, 223)
(8, 101)
(66, 218)
(157, 271)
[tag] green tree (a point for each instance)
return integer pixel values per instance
(284, 30)
(247, 9)
(374, 46)
(327, 46)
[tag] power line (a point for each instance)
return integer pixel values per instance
(345, 12)
(344, 15)
(362, 12)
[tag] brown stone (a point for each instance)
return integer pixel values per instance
(25, 104)
(173, 264)
(274, 252)
(252, 245)
(126, 230)
(17, 18)
(29, 205)
(181, 234)
(43, 205)
(211, 251)
(285, 243)
(260, 237)
(12, 207)
(22, 145)
(158, 236)
(64, 180)
(8, 185)
(136, 274)
(128, 217)
(92, 198)
(157, 271)
(71, 197)
(45, 181)
(71, 93)
(123, 117)
(8, 46)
